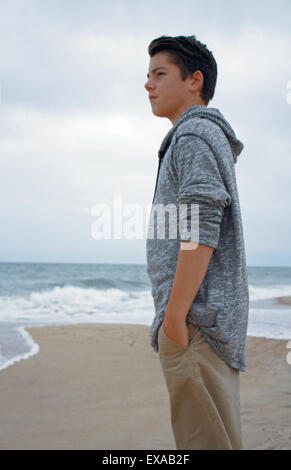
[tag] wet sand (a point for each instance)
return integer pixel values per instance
(284, 300)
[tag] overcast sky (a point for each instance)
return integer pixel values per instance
(76, 127)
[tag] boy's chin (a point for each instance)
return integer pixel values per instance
(158, 113)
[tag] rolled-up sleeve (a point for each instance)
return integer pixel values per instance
(200, 183)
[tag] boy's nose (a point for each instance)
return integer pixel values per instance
(148, 85)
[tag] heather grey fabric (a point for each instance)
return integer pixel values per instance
(198, 167)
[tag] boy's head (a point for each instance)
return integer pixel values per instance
(186, 75)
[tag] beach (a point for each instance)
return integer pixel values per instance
(100, 386)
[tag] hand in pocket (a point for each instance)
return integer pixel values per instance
(177, 331)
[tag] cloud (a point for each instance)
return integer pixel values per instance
(85, 154)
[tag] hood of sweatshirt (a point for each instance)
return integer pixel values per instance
(213, 115)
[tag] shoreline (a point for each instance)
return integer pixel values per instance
(28, 340)
(100, 386)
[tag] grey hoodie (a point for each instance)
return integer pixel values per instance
(197, 166)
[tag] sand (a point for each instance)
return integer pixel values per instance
(286, 300)
(100, 386)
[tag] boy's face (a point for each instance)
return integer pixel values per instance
(169, 95)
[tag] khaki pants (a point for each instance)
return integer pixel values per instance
(203, 392)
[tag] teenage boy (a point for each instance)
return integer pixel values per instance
(199, 286)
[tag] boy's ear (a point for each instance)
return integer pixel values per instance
(196, 82)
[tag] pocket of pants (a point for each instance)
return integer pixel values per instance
(195, 338)
(171, 341)
(195, 335)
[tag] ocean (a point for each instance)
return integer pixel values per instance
(39, 294)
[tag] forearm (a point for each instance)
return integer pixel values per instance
(191, 269)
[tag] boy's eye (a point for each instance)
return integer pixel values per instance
(161, 73)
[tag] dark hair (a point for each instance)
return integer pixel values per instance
(189, 55)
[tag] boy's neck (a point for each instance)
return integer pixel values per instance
(175, 118)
